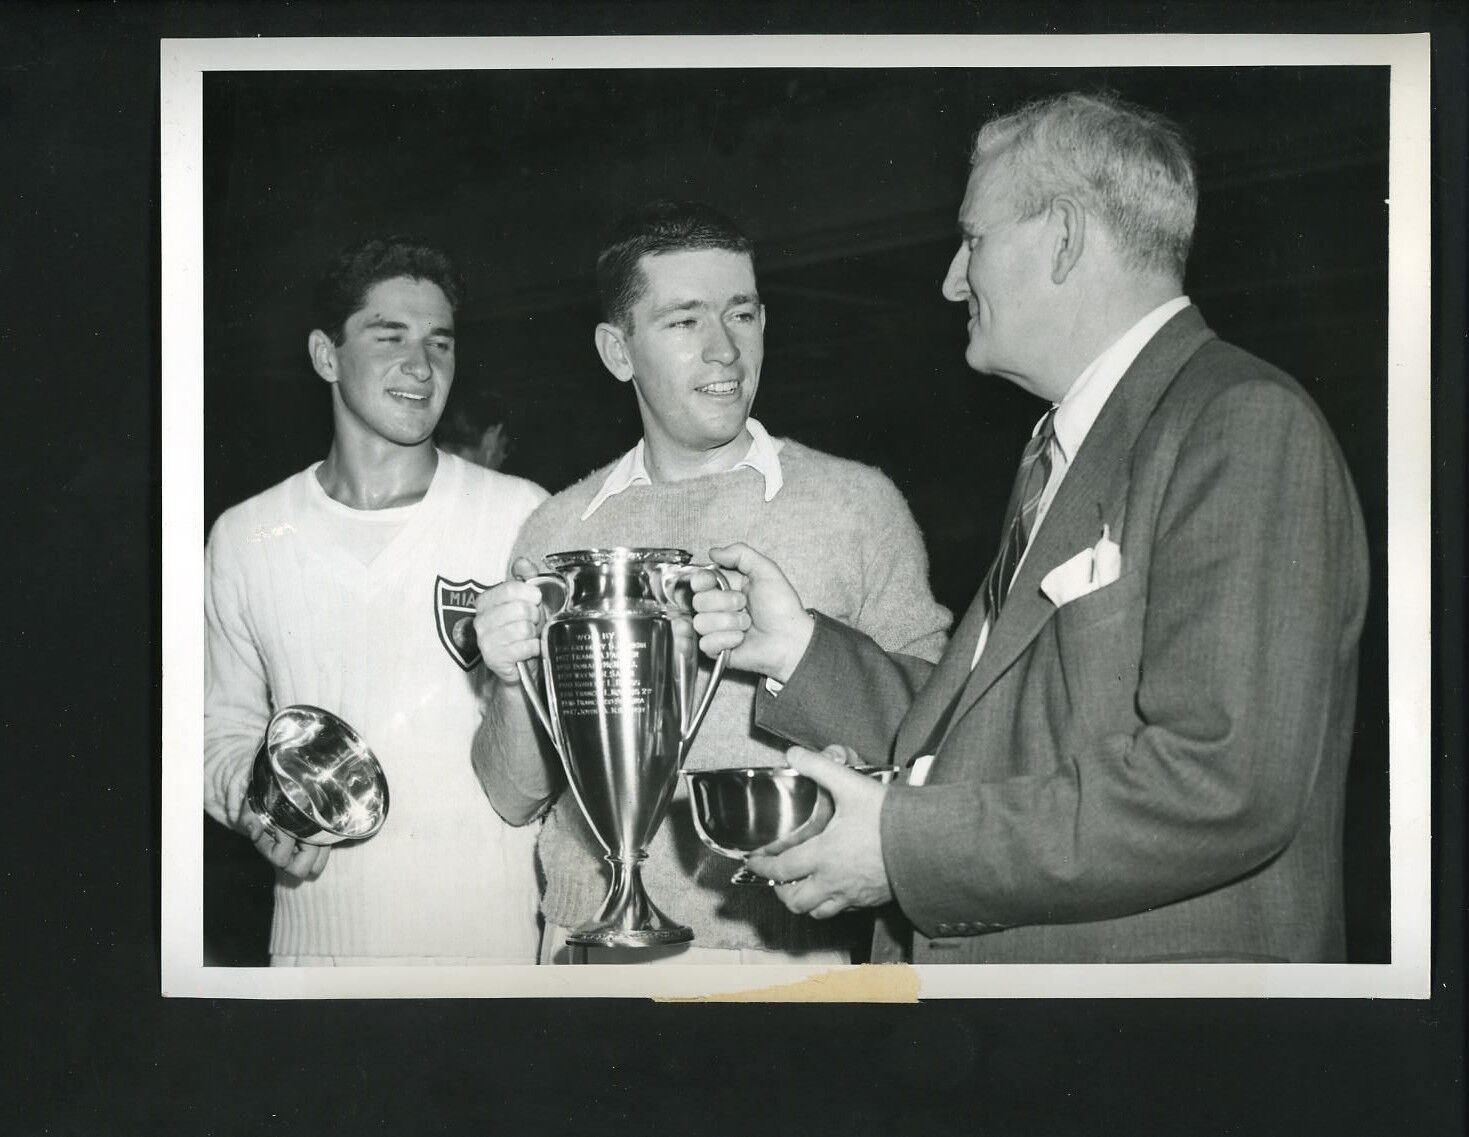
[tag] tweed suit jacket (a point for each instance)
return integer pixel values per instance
(1154, 771)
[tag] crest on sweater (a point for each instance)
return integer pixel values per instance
(454, 619)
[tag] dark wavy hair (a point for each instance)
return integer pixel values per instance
(661, 226)
(343, 288)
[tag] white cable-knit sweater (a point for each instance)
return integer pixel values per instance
(292, 616)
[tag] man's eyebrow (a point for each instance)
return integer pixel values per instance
(385, 324)
(702, 305)
(678, 306)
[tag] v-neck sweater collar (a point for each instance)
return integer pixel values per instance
(412, 518)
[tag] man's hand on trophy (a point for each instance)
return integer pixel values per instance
(300, 860)
(762, 623)
(842, 866)
(507, 621)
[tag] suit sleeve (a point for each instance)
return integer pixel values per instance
(1254, 599)
(845, 690)
(236, 696)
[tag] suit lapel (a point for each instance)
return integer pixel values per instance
(1097, 477)
(930, 709)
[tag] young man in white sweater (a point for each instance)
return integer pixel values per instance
(348, 586)
(685, 327)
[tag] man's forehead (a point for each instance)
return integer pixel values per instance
(704, 274)
(986, 194)
(404, 296)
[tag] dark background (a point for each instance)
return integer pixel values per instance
(849, 181)
(87, 1045)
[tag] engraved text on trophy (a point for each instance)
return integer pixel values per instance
(612, 686)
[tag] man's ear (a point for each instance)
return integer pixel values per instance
(762, 319)
(323, 355)
(1069, 224)
(612, 347)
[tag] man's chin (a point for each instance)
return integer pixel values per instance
(410, 440)
(727, 420)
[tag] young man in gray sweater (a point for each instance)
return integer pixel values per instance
(684, 326)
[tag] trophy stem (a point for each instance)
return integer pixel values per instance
(628, 918)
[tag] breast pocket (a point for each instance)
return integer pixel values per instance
(1098, 640)
(1107, 604)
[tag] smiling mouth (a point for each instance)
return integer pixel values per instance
(409, 396)
(722, 387)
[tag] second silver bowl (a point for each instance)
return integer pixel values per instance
(744, 808)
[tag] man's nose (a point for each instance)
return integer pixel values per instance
(720, 346)
(417, 364)
(956, 285)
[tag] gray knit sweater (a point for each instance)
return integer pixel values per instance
(843, 534)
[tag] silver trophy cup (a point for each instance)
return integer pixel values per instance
(619, 659)
(315, 779)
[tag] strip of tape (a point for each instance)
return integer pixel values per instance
(868, 983)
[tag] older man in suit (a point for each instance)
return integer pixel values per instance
(1135, 747)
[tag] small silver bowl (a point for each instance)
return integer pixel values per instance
(315, 779)
(744, 808)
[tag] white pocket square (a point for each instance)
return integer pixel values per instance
(1084, 573)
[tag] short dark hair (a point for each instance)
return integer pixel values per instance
(344, 286)
(660, 226)
(472, 408)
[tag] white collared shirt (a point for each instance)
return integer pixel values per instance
(1078, 410)
(763, 457)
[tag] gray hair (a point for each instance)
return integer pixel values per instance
(1130, 165)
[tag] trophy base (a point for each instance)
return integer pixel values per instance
(628, 918)
(586, 936)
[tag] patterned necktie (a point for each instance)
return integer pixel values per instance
(1025, 500)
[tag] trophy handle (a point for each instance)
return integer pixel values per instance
(693, 722)
(530, 686)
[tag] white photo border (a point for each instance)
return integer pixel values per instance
(183, 66)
